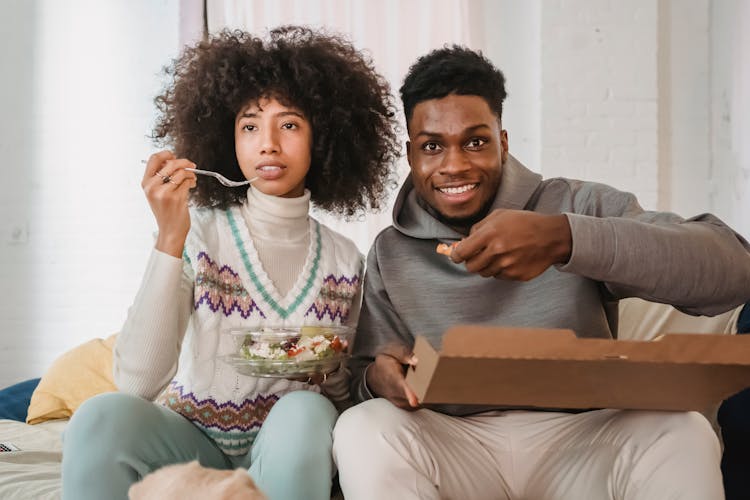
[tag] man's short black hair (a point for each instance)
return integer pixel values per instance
(453, 70)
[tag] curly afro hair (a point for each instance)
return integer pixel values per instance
(346, 101)
(453, 70)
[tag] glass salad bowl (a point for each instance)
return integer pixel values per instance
(288, 352)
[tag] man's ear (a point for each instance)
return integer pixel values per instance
(504, 142)
(408, 152)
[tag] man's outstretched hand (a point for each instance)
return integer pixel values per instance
(515, 244)
(386, 378)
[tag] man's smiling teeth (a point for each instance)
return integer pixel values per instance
(457, 189)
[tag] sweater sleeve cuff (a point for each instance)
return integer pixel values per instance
(164, 262)
(363, 392)
(593, 246)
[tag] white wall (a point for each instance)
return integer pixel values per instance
(16, 156)
(599, 93)
(78, 82)
(648, 96)
(727, 184)
(513, 42)
(685, 106)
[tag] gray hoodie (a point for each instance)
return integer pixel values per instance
(699, 265)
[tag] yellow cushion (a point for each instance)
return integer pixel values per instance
(77, 375)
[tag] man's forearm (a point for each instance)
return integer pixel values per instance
(699, 266)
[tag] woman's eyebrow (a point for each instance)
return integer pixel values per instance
(280, 114)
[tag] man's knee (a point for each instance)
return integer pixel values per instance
(686, 430)
(694, 427)
(373, 417)
(368, 430)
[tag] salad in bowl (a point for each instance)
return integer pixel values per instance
(288, 352)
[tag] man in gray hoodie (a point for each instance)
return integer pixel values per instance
(528, 252)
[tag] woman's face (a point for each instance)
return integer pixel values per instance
(273, 142)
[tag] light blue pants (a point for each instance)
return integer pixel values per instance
(115, 439)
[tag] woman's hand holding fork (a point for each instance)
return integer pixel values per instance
(167, 186)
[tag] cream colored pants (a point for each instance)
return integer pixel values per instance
(384, 452)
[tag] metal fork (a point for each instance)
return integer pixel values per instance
(221, 178)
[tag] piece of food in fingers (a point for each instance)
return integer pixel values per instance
(445, 248)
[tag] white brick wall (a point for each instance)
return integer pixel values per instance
(599, 93)
(513, 42)
(77, 106)
(727, 183)
(685, 105)
(650, 97)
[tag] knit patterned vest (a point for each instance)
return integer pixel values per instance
(231, 289)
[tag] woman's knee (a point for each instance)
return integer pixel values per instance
(108, 416)
(305, 410)
(102, 428)
(299, 420)
(297, 432)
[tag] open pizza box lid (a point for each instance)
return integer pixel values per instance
(545, 368)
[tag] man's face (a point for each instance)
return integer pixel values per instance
(456, 150)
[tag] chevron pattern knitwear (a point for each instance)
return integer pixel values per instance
(265, 263)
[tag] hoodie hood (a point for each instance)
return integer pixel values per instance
(517, 185)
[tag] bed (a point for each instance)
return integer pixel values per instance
(34, 471)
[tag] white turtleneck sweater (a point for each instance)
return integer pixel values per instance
(263, 263)
(279, 228)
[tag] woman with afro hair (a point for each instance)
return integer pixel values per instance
(305, 117)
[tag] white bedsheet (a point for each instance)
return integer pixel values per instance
(33, 472)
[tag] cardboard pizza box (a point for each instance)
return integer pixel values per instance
(544, 368)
